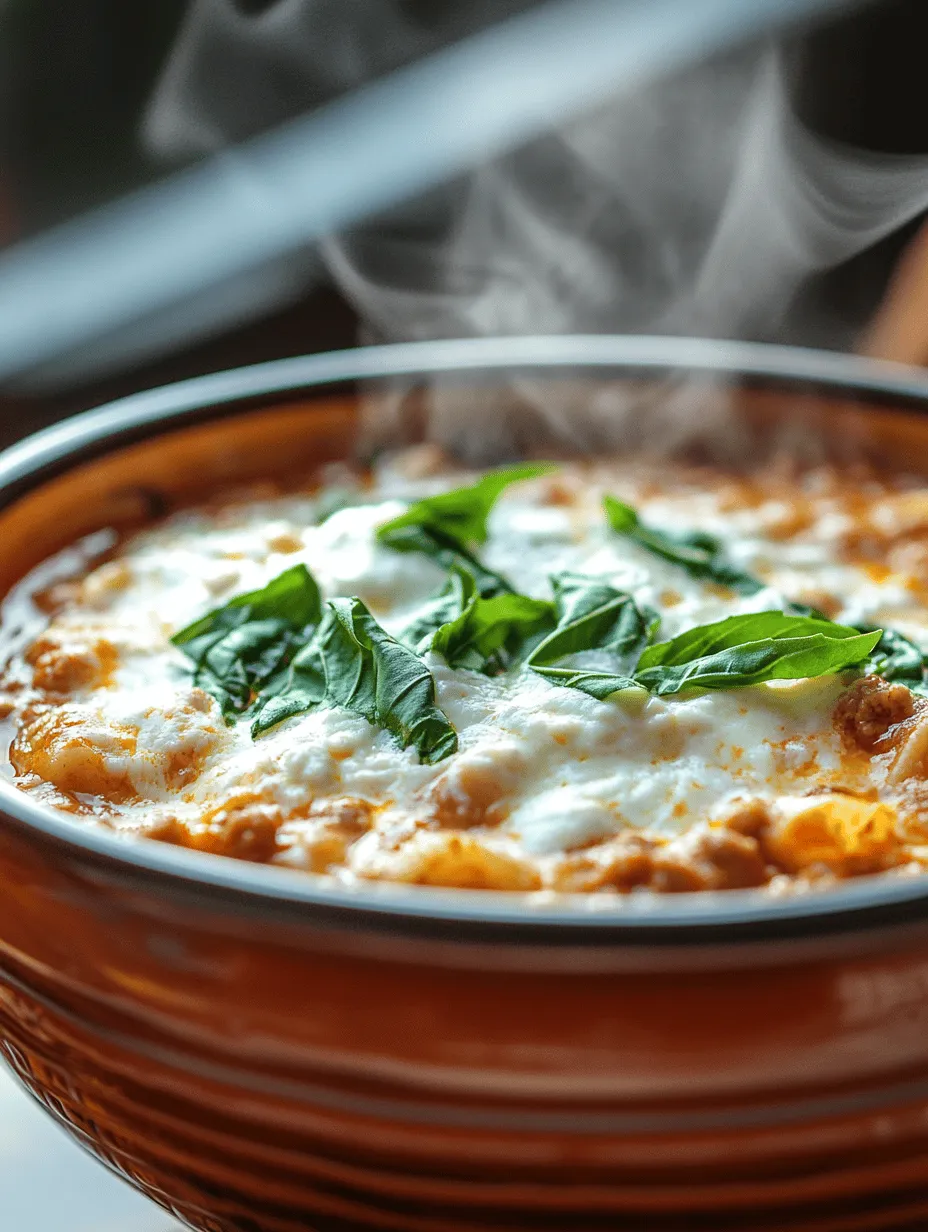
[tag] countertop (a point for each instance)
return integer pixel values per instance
(48, 1184)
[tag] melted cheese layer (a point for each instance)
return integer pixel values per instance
(550, 787)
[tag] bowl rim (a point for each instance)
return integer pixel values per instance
(458, 915)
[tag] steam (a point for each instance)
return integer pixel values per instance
(701, 205)
(797, 205)
(595, 228)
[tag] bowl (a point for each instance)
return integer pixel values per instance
(259, 1051)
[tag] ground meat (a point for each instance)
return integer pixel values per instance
(255, 829)
(708, 858)
(245, 829)
(750, 817)
(869, 714)
(713, 858)
(622, 864)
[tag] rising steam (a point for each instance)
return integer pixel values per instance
(698, 206)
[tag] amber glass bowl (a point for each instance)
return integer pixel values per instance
(260, 1051)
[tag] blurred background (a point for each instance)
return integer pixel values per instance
(767, 191)
(772, 188)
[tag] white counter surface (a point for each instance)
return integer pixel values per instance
(48, 1184)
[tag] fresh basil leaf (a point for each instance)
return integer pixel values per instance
(733, 632)
(238, 649)
(449, 553)
(233, 663)
(591, 615)
(445, 527)
(751, 649)
(895, 657)
(299, 688)
(292, 597)
(462, 513)
(447, 605)
(489, 633)
(700, 554)
(371, 673)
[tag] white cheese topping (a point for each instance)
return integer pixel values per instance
(565, 771)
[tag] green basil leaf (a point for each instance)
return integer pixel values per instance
(736, 631)
(700, 554)
(462, 513)
(591, 615)
(896, 657)
(446, 551)
(752, 649)
(232, 663)
(371, 673)
(236, 650)
(490, 633)
(292, 597)
(299, 688)
(445, 606)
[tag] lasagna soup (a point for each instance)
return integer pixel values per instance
(610, 677)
